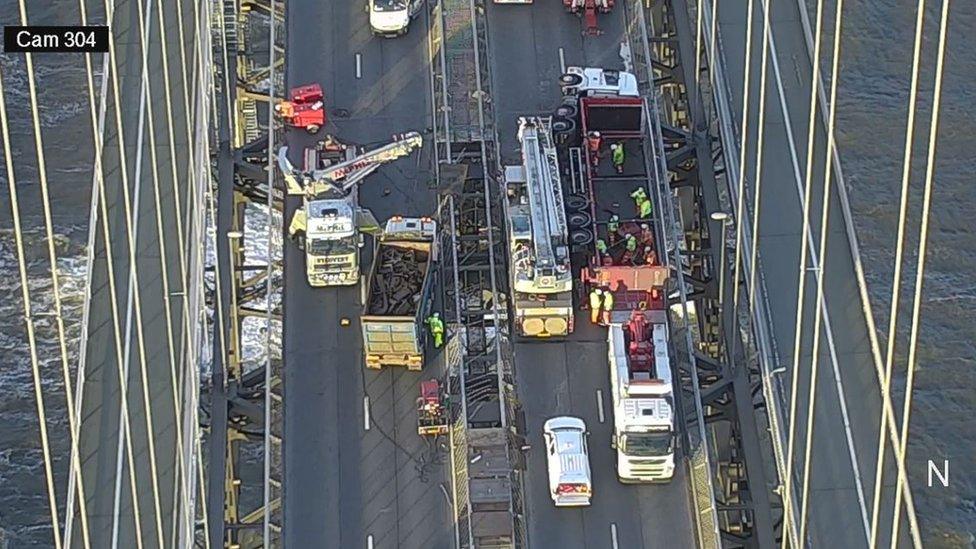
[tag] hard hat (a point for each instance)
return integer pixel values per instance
(597, 291)
(436, 314)
(647, 249)
(644, 226)
(614, 217)
(595, 134)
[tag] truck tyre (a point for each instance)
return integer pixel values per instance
(578, 220)
(566, 111)
(580, 237)
(563, 125)
(576, 202)
(313, 128)
(569, 79)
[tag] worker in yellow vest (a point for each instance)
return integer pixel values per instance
(596, 303)
(607, 306)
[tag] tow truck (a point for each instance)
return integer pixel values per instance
(539, 253)
(431, 409)
(304, 109)
(643, 397)
(330, 223)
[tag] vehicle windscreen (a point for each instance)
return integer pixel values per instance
(647, 444)
(342, 246)
(389, 5)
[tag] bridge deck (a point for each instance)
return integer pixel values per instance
(104, 463)
(344, 483)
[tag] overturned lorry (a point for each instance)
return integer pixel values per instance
(398, 294)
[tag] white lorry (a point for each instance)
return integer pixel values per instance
(330, 222)
(643, 398)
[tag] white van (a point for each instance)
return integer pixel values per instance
(570, 482)
(391, 18)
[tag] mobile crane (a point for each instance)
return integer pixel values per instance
(539, 255)
(329, 224)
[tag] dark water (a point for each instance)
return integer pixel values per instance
(874, 84)
(873, 90)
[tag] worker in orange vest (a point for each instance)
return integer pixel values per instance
(646, 235)
(607, 305)
(593, 142)
(596, 303)
(285, 109)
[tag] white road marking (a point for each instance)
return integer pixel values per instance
(562, 61)
(366, 412)
(369, 541)
(599, 404)
(362, 289)
(359, 65)
(613, 534)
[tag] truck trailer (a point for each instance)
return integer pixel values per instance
(398, 294)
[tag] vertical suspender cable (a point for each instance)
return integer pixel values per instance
(28, 318)
(899, 255)
(744, 139)
(801, 283)
(824, 222)
(920, 271)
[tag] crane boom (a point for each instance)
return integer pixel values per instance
(350, 173)
(541, 257)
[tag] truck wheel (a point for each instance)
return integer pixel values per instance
(576, 202)
(570, 80)
(566, 111)
(578, 220)
(313, 128)
(563, 125)
(581, 237)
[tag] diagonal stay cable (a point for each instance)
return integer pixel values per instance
(55, 285)
(920, 270)
(899, 257)
(818, 316)
(134, 281)
(29, 320)
(760, 134)
(801, 282)
(179, 475)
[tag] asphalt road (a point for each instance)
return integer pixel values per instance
(343, 483)
(563, 378)
(848, 400)
(141, 322)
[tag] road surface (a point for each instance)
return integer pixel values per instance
(343, 483)
(563, 378)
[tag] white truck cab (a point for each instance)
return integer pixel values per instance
(391, 18)
(570, 482)
(598, 82)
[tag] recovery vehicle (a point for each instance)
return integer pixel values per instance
(587, 10)
(643, 397)
(329, 224)
(398, 294)
(539, 255)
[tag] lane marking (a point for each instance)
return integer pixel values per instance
(562, 61)
(359, 65)
(599, 404)
(369, 541)
(362, 289)
(613, 534)
(366, 412)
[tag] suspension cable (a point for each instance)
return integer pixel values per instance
(818, 316)
(55, 286)
(801, 283)
(698, 45)
(920, 271)
(899, 255)
(761, 132)
(28, 317)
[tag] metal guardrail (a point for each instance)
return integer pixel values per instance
(699, 463)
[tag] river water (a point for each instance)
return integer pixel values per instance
(874, 81)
